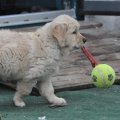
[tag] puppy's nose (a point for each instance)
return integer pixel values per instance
(84, 40)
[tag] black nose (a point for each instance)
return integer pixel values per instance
(84, 40)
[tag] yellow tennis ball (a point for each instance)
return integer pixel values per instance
(103, 76)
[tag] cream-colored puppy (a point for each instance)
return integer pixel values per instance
(30, 58)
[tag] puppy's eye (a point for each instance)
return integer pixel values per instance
(74, 32)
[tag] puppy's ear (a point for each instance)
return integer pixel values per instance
(58, 32)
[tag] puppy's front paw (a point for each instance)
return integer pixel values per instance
(19, 103)
(58, 102)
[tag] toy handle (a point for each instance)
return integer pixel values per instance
(89, 56)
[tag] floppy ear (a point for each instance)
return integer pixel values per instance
(58, 32)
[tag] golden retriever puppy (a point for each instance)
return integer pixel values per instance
(30, 58)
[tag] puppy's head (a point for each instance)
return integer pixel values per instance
(65, 30)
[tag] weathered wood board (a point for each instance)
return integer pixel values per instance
(105, 48)
(76, 69)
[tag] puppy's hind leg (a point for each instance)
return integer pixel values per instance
(23, 88)
(46, 90)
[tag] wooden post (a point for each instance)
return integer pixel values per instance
(79, 7)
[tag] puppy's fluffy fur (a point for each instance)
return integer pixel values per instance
(31, 57)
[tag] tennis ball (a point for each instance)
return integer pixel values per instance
(103, 76)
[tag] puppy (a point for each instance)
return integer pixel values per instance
(30, 58)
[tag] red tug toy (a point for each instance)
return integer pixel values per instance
(89, 56)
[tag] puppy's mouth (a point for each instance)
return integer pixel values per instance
(66, 50)
(76, 48)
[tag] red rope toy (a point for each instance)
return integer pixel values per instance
(89, 56)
